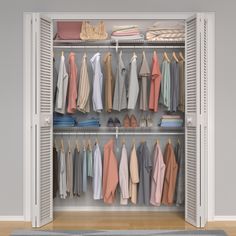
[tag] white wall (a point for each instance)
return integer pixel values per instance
(11, 22)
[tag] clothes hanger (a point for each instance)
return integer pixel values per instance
(143, 140)
(157, 142)
(165, 57)
(181, 56)
(62, 145)
(62, 53)
(77, 145)
(123, 141)
(175, 57)
(133, 142)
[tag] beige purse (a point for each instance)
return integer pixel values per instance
(90, 32)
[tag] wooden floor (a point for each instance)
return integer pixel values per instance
(117, 220)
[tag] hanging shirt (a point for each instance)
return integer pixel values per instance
(134, 175)
(170, 175)
(181, 106)
(55, 172)
(145, 166)
(55, 78)
(83, 103)
(157, 176)
(144, 73)
(78, 173)
(165, 85)
(89, 162)
(120, 96)
(110, 173)
(73, 79)
(62, 175)
(97, 83)
(180, 184)
(124, 177)
(97, 179)
(155, 83)
(84, 170)
(62, 84)
(174, 85)
(69, 173)
(133, 83)
(109, 82)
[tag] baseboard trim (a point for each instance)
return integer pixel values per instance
(225, 218)
(12, 218)
(118, 208)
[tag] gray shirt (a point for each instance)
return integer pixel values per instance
(78, 173)
(120, 97)
(84, 170)
(62, 175)
(174, 85)
(145, 165)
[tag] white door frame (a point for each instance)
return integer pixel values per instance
(27, 87)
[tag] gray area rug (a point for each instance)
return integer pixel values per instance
(118, 232)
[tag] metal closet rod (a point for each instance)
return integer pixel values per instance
(115, 47)
(117, 134)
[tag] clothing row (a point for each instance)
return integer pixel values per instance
(167, 83)
(143, 178)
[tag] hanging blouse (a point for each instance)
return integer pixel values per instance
(157, 177)
(174, 85)
(109, 82)
(72, 91)
(62, 175)
(134, 175)
(110, 173)
(97, 179)
(62, 84)
(55, 78)
(133, 83)
(120, 96)
(78, 173)
(165, 84)
(145, 166)
(155, 83)
(83, 103)
(170, 175)
(181, 106)
(144, 73)
(69, 173)
(84, 170)
(89, 162)
(97, 83)
(124, 177)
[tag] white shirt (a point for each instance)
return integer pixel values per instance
(124, 177)
(97, 83)
(97, 179)
(62, 84)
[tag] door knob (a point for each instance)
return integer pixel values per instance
(189, 121)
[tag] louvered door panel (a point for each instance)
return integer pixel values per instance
(43, 204)
(192, 143)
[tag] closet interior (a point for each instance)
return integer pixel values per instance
(119, 111)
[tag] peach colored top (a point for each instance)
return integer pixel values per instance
(110, 173)
(155, 84)
(170, 175)
(72, 93)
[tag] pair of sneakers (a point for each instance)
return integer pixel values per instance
(146, 121)
(113, 122)
(130, 121)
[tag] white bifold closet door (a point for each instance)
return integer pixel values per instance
(42, 53)
(196, 91)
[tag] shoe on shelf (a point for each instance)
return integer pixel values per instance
(117, 122)
(110, 122)
(126, 121)
(133, 121)
(143, 122)
(149, 121)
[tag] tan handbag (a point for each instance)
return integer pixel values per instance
(90, 32)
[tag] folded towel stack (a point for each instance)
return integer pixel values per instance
(63, 121)
(172, 121)
(126, 32)
(166, 31)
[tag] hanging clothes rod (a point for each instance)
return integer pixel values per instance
(115, 47)
(115, 133)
